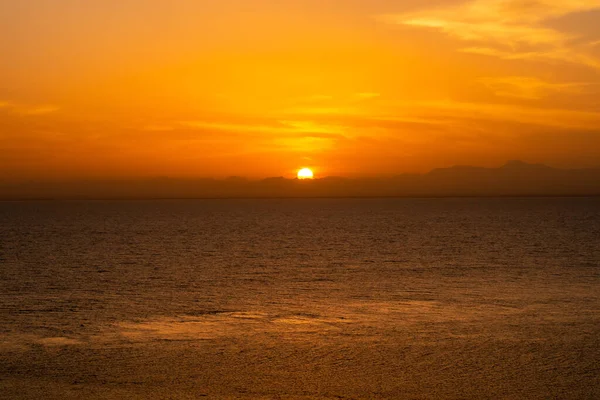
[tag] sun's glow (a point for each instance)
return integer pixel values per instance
(305, 173)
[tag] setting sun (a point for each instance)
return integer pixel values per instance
(305, 173)
(301, 198)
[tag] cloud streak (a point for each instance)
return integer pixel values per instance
(550, 118)
(509, 29)
(529, 88)
(28, 110)
(275, 127)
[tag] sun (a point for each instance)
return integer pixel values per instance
(305, 173)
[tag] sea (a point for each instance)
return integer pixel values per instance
(440, 298)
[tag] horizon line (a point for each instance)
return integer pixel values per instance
(407, 197)
(258, 179)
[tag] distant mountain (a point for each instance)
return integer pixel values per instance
(520, 165)
(515, 178)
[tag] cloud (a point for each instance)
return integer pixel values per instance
(367, 96)
(275, 128)
(317, 98)
(158, 128)
(511, 29)
(38, 110)
(21, 109)
(310, 126)
(436, 116)
(529, 88)
(543, 117)
(553, 55)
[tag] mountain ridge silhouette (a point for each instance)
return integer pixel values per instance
(514, 178)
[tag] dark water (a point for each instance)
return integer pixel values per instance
(322, 298)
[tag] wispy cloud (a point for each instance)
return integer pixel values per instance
(37, 110)
(544, 117)
(443, 115)
(507, 28)
(570, 55)
(529, 88)
(367, 95)
(275, 128)
(21, 109)
(158, 128)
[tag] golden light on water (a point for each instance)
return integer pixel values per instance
(305, 173)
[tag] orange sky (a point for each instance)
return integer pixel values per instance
(182, 88)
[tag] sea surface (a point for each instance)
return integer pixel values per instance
(495, 298)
